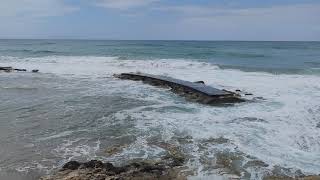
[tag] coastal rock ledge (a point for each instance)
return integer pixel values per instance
(97, 170)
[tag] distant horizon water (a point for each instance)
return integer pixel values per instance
(106, 39)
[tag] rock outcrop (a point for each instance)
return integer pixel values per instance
(97, 170)
(193, 91)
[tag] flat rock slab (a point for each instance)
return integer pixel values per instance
(208, 90)
(194, 91)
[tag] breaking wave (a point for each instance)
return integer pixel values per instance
(280, 131)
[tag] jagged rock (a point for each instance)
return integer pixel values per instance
(96, 170)
(176, 156)
(92, 164)
(72, 165)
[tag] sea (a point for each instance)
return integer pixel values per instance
(74, 109)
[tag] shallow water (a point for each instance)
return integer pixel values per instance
(76, 109)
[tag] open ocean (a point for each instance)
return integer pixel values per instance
(74, 109)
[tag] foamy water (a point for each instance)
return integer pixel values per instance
(280, 129)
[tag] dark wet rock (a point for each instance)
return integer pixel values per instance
(72, 165)
(11, 69)
(201, 82)
(191, 91)
(6, 68)
(248, 119)
(92, 164)
(20, 70)
(176, 156)
(248, 94)
(229, 162)
(96, 170)
(35, 70)
(255, 163)
(259, 98)
(219, 140)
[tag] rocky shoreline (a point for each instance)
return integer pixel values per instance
(136, 170)
(97, 170)
(169, 167)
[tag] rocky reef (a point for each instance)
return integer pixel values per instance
(168, 167)
(11, 69)
(173, 165)
(192, 91)
(97, 170)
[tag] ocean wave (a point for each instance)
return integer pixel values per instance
(29, 51)
(313, 64)
(264, 69)
(255, 129)
(242, 55)
(47, 43)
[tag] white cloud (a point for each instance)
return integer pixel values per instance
(27, 18)
(286, 22)
(33, 8)
(124, 4)
(212, 11)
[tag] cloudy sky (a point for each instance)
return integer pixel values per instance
(161, 19)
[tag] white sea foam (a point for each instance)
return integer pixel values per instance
(287, 136)
(59, 135)
(80, 147)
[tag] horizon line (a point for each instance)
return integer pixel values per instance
(96, 39)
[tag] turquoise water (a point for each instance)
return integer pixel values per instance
(277, 57)
(74, 109)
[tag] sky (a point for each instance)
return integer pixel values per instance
(270, 20)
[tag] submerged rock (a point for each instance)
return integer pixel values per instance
(219, 140)
(11, 69)
(115, 149)
(6, 69)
